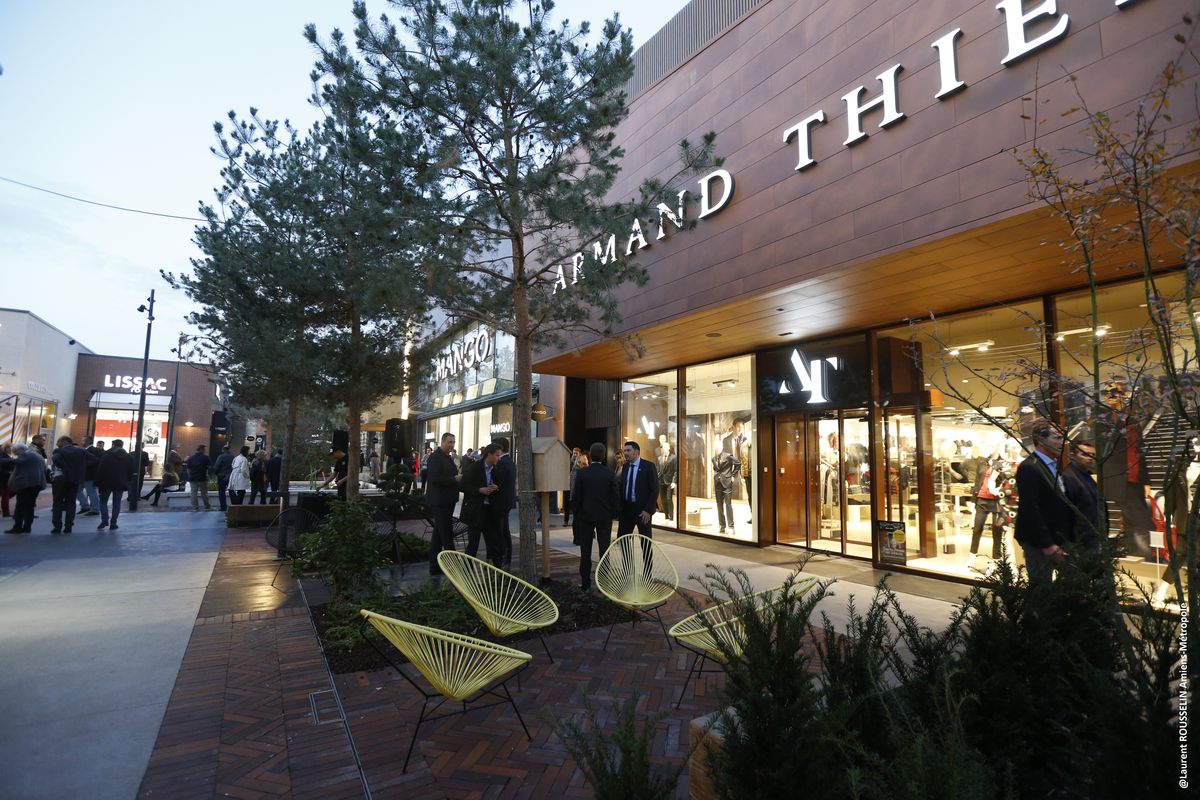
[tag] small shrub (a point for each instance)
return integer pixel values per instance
(345, 551)
(617, 766)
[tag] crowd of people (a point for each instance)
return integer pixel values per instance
(91, 479)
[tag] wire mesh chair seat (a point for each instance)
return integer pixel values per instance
(506, 604)
(460, 668)
(719, 630)
(636, 574)
(285, 531)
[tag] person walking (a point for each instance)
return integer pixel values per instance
(275, 474)
(441, 493)
(223, 466)
(1043, 523)
(196, 468)
(258, 477)
(112, 479)
(26, 483)
(1080, 481)
(596, 500)
(69, 469)
(239, 476)
(639, 492)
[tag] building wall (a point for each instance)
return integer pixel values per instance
(43, 359)
(196, 401)
(945, 168)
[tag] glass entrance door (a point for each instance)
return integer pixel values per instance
(822, 485)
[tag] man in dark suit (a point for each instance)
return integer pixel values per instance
(1078, 477)
(1044, 520)
(478, 508)
(274, 473)
(596, 499)
(70, 470)
(441, 493)
(112, 478)
(639, 492)
(506, 478)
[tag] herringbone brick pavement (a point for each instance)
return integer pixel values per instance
(252, 714)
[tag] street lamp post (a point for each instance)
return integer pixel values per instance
(135, 490)
(178, 351)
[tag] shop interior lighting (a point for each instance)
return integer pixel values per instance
(982, 347)
(727, 383)
(1100, 332)
(72, 416)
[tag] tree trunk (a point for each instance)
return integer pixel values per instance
(522, 429)
(289, 441)
(354, 412)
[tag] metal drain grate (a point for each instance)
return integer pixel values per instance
(325, 707)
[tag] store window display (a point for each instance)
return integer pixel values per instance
(649, 415)
(1118, 396)
(718, 449)
(953, 433)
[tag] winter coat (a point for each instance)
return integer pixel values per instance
(239, 477)
(116, 469)
(29, 471)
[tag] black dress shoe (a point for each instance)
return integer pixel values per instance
(102, 526)
(112, 527)
(56, 530)
(67, 529)
(16, 530)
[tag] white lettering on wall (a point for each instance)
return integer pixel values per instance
(707, 207)
(887, 99)
(676, 216)
(465, 353)
(948, 64)
(1016, 21)
(802, 130)
(636, 235)
(607, 252)
(134, 383)
(811, 375)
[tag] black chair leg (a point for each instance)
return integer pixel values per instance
(277, 571)
(520, 719)
(546, 647)
(417, 730)
(688, 680)
(606, 638)
(663, 625)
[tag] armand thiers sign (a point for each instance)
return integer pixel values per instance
(1026, 32)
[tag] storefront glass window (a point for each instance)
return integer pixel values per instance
(719, 458)
(649, 416)
(957, 392)
(1118, 394)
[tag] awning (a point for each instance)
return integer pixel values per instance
(154, 402)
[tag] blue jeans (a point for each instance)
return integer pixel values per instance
(88, 497)
(116, 495)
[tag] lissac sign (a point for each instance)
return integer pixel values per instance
(134, 383)
(1026, 32)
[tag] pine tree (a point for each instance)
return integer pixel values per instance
(521, 118)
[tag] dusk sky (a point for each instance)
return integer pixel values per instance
(114, 103)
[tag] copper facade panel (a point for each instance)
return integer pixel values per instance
(916, 217)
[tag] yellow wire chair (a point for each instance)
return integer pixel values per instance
(458, 667)
(635, 573)
(704, 632)
(505, 603)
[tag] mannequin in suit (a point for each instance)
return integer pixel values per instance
(668, 470)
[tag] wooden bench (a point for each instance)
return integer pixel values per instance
(248, 516)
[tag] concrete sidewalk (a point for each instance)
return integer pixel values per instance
(93, 627)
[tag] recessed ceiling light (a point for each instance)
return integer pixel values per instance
(780, 309)
(786, 333)
(712, 334)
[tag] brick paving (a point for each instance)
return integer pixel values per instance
(251, 714)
